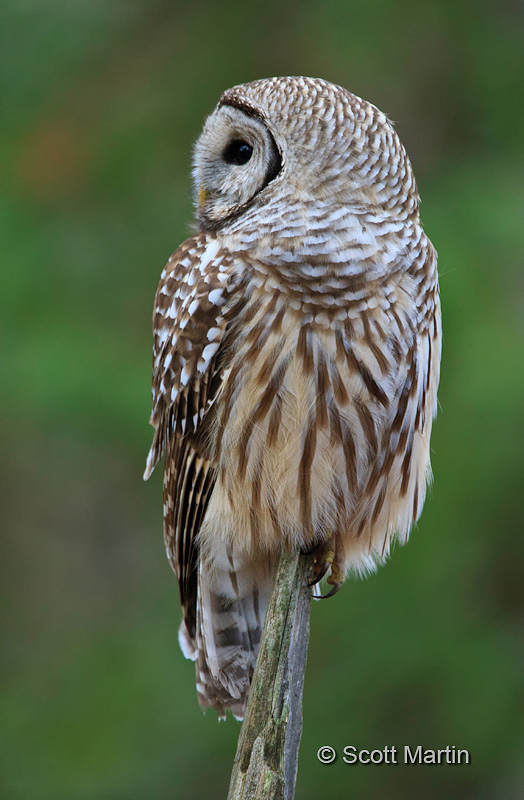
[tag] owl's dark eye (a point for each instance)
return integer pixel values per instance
(237, 152)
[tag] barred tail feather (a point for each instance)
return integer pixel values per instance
(233, 593)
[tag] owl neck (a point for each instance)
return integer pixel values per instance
(333, 275)
(342, 248)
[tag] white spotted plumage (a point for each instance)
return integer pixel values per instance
(296, 361)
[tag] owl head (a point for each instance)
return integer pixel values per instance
(303, 143)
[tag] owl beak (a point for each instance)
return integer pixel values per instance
(203, 194)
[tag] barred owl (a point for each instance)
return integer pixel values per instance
(297, 343)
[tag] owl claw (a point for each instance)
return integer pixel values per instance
(336, 579)
(331, 593)
(323, 561)
(326, 558)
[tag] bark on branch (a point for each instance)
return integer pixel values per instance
(265, 766)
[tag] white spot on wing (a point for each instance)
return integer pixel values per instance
(192, 308)
(209, 254)
(213, 333)
(209, 351)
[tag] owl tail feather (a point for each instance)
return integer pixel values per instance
(233, 593)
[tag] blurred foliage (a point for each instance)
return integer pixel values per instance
(101, 102)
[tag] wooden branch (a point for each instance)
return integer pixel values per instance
(265, 766)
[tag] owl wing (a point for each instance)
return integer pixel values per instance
(194, 305)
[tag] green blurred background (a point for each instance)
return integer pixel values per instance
(101, 102)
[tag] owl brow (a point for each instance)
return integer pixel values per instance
(242, 105)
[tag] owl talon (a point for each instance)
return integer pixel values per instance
(321, 565)
(331, 593)
(326, 556)
(336, 579)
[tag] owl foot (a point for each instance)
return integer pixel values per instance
(326, 557)
(335, 579)
(322, 562)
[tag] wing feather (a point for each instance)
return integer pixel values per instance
(195, 304)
